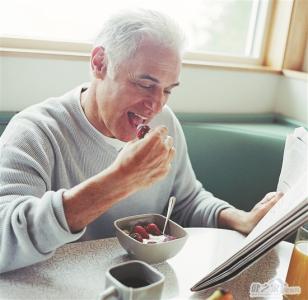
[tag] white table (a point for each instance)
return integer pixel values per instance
(77, 270)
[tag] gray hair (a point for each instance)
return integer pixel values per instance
(123, 32)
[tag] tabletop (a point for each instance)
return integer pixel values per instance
(77, 270)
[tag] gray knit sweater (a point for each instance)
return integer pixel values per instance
(50, 147)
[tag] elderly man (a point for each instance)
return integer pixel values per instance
(72, 165)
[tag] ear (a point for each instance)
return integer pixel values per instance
(98, 62)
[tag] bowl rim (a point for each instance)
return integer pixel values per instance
(145, 215)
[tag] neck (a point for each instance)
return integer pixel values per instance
(85, 98)
(89, 105)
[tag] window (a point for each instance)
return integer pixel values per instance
(229, 28)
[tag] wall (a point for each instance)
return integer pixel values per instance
(29, 80)
(222, 91)
(26, 80)
(291, 99)
(1, 82)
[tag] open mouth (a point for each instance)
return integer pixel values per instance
(135, 119)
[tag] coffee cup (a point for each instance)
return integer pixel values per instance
(133, 280)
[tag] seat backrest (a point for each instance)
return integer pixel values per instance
(239, 166)
(5, 117)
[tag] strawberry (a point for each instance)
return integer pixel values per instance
(136, 236)
(152, 228)
(142, 130)
(140, 230)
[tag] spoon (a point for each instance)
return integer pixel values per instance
(169, 211)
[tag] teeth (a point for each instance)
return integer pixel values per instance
(132, 114)
(142, 117)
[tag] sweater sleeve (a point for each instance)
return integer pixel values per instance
(30, 229)
(195, 207)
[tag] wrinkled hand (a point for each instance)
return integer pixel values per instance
(143, 162)
(260, 209)
(243, 221)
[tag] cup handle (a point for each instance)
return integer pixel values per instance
(110, 291)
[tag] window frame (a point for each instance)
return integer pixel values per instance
(275, 45)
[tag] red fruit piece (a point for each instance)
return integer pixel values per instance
(136, 236)
(140, 230)
(152, 228)
(142, 130)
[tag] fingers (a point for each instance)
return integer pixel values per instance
(262, 207)
(269, 196)
(168, 142)
(171, 155)
(164, 168)
(272, 196)
(274, 199)
(165, 151)
(267, 203)
(158, 142)
(147, 160)
(159, 135)
(150, 158)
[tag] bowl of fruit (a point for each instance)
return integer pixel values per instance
(142, 237)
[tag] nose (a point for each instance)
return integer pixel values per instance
(153, 106)
(155, 103)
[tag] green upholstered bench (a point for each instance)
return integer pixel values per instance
(5, 117)
(236, 157)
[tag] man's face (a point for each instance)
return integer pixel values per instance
(137, 92)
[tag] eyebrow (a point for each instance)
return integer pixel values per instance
(149, 77)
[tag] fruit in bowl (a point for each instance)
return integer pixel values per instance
(141, 236)
(148, 233)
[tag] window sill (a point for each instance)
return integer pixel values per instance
(14, 46)
(295, 74)
(22, 47)
(231, 66)
(83, 56)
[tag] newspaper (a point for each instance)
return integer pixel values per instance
(289, 213)
(294, 159)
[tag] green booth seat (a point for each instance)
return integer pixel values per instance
(237, 158)
(5, 117)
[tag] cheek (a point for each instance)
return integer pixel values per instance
(130, 98)
(117, 101)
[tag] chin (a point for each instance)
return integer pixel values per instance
(126, 137)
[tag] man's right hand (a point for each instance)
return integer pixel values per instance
(143, 162)
(140, 164)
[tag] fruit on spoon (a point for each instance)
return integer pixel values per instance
(142, 130)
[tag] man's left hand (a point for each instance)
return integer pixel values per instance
(243, 221)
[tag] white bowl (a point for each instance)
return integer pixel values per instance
(150, 253)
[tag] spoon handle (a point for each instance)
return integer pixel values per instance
(170, 208)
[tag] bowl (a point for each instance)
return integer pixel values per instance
(150, 253)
